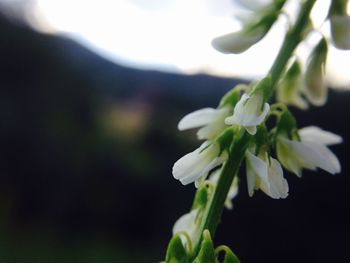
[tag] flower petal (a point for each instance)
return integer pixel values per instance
(315, 134)
(204, 171)
(251, 129)
(255, 168)
(246, 107)
(198, 163)
(232, 193)
(260, 118)
(237, 42)
(278, 184)
(340, 29)
(190, 162)
(216, 126)
(311, 155)
(186, 223)
(197, 118)
(247, 111)
(286, 157)
(323, 158)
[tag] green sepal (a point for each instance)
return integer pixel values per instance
(263, 87)
(261, 139)
(287, 125)
(230, 257)
(315, 72)
(232, 97)
(225, 139)
(202, 196)
(318, 55)
(206, 253)
(290, 81)
(176, 252)
(266, 17)
(289, 88)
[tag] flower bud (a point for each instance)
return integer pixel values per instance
(315, 86)
(340, 24)
(340, 30)
(252, 32)
(289, 89)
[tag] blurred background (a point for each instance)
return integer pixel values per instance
(88, 138)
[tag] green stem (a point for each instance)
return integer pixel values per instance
(291, 41)
(236, 154)
(213, 213)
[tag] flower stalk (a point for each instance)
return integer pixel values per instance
(247, 131)
(236, 154)
(292, 39)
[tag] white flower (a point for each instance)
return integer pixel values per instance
(340, 29)
(265, 174)
(195, 166)
(311, 152)
(249, 112)
(315, 84)
(232, 193)
(211, 120)
(258, 18)
(187, 224)
(289, 89)
(238, 42)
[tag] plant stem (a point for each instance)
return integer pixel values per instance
(213, 213)
(292, 39)
(237, 150)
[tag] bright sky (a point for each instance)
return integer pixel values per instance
(171, 35)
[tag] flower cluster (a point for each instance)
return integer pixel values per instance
(296, 149)
(246, 128)
(299, 80)
(247, 112)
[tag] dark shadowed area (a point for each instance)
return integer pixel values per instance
(86, 154)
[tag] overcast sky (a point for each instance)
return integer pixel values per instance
(171, 35)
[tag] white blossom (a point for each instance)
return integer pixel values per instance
(315, 87)
(210, 120)
(187, 224)
(310, 152)
(249, 112)
(266, 174)
(195, 166)
(289, 89)
(238, 42)
(340, 30)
